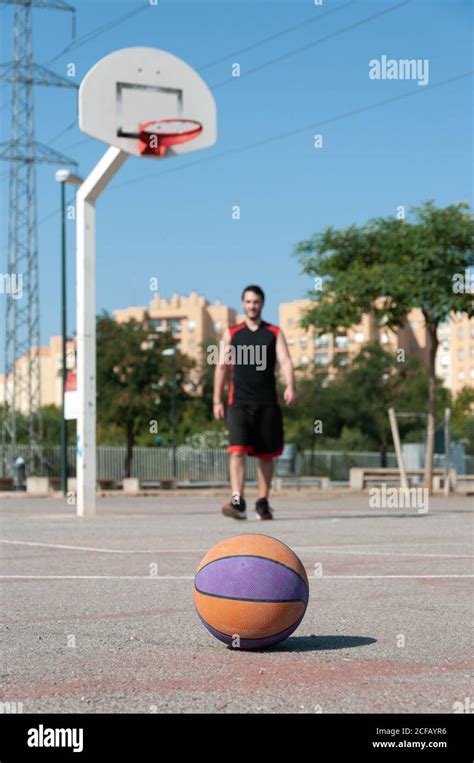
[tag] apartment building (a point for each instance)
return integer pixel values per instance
(454, 360)
(50, 366)
(191, 319)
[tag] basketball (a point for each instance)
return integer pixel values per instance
(251, 591)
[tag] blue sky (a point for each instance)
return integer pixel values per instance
(172, 219)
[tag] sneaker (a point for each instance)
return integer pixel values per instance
(236, 508)
(262, 509)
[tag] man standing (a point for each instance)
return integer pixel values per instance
(254, 417)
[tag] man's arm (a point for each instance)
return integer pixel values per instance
(219, 377)
(284, 361)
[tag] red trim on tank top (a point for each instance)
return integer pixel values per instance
(274, 329)
(233, 329)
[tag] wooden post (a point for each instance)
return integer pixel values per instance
(398, 447)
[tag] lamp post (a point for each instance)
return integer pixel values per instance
(63, 177)
(171, 352)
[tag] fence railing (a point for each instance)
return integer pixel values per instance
(193, 465)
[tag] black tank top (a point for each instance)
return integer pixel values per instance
(252, 359)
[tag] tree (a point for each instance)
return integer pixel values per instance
(315, 415)
(133, 377)
(375, 382)
(388, 267)
(463, 418)
(350, 411)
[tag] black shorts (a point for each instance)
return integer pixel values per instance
(255, 429)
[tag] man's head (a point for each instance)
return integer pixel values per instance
(252, 301)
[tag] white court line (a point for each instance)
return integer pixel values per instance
(191, 577)
(106, 550)
(331, 549)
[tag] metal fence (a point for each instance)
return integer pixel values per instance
(209, 465)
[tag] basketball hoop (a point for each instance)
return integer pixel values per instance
(157, 136)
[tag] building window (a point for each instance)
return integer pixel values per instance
(445, 360)
(384, 338)
(191, 325)
(217, 325)
(304, 360)
(445, 344)
(413, 325)
(343, 358)
(303, 341)
(359, 336)
(321, 341)
(158, 324)
(174, 325)
(321, 359)
(461, 375)
(341, 341)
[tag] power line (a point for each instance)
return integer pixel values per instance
(55, 211)
(254, 45)
(255, 69)
(76, 144)
(308, 20)
(297, 50)
(88, 36)
(63, 132)
(309, 45)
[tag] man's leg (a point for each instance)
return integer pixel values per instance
(236, 507)
(265, 473)
(237, 473)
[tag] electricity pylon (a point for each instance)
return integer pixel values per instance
(22, 332)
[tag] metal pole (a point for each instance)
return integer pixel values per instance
(398, 448)
(173, 414)
(87, 195)
(64, 339)
(447, 449)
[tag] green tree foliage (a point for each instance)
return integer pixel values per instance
(352, 408)
(134, 381)
(387, 267)
(463, 418)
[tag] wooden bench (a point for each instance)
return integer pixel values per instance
(362, 477)
(462, 483)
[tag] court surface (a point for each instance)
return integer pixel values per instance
(98, 614)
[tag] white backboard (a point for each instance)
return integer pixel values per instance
(134, 86)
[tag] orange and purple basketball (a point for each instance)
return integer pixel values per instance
(252, 587)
